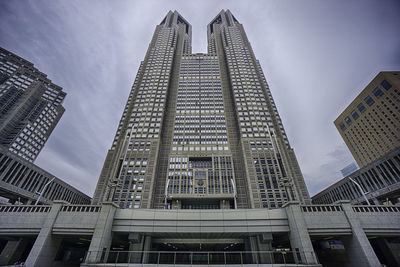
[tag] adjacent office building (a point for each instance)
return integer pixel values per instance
(370, 125)
(200, 130)
(30, 106)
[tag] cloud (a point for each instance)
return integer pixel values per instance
(316, 55)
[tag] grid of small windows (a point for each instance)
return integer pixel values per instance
(200, 122)
(21, 73)
(18, 74)
(142, 118)
(376, 129)
(268, 177)
(192, 175)
(256, 119)
(130, 185)
(34, 135)
(146, 116)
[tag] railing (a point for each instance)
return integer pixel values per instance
(364, 208)
(321, 208)
(80, 208)
(24, 208)
(200, 257)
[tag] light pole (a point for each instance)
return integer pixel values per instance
(234, 193)
(166, 196)
(42, 191)
(361, 190)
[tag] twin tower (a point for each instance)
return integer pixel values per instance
(200, 131)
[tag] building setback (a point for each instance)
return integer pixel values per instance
(370, 125)
(30, 106)
(200, 131)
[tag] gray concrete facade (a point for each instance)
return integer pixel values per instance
(303, 224)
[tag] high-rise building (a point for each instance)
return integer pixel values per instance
(370, 125)
(30, 106)
(200, 131)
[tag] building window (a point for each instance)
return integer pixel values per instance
(361, 107)
(354, 114)
(347, 120)
(342, 127)
(385, 84)
(369, 101)
(378, 92)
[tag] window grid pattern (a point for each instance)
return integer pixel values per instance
(17, 77)
(371, 131)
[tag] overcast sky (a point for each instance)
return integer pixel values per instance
(316, 55)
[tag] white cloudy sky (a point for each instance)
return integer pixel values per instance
(317, 56)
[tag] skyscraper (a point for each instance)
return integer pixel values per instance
(200, 131)
(30, 106)
(370, 125)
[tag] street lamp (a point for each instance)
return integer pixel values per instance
(42, 191)
(361, 190)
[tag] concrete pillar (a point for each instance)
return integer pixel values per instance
(298, 235)
(136, 245)
(265, 245)
(46, 245)
(358, 248)
(102, 236)
(146, 248)
(13, 250)
(253, 247)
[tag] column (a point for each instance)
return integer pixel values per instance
(136, 241)
(101, 240)
(358, 248)
(298, 235)
(265, 247)
(13, 251)
(46, 245)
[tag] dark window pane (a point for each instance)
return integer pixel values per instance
(386, 84)
(361, 108)
(347, 120)
(369, 100)
(378, 92)
(342, 127)
(355, 115)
